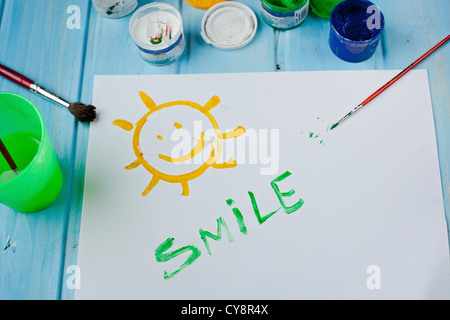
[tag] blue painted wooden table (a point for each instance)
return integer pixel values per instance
(37, 250)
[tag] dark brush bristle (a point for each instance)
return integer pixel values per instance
(83, 112)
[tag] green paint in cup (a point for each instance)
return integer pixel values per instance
(323, 8)
(284, 14)
(23, 132)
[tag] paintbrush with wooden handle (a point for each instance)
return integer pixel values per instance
(391, 82)
(82, 112)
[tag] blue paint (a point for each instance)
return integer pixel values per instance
(355, 30)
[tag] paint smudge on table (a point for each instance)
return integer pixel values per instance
(10, 245)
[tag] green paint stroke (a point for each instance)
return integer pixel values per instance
(282, 195)
(260, 219)
(288, 194)
(164, 257)
(220, 223)
(230, 202)
(239, 218)
(313, 135)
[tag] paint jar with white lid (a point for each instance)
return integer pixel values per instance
(157, 31)
(229, 25)
(114, 8)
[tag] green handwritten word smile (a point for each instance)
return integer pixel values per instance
(162, 255)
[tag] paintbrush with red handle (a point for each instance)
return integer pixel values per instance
(391, 82)
(82, 112)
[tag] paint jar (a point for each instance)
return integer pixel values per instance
(157, 31)
(284, 14)
(23, 132)
(355, 30)
(203, 4)
(323, 8)
(115, 8)
(229, 25)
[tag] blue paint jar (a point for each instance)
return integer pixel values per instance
(355, 30)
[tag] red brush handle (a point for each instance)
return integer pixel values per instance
(15, 77)
(401, 74)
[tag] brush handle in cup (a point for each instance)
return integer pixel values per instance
(15, 77)
(7, 156)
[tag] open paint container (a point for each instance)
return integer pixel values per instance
(355, 30)
(229, 25)
(25, 136)
(157, 31)
(284, 14)
(115, 8)
(203, 4)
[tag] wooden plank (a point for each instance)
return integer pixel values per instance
(2, 5)
(44, 49)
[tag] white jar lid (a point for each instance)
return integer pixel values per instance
(229, 25)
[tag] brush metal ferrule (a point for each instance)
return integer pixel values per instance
(49, 95)
(359, 106)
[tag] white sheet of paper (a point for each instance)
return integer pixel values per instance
(372, 225)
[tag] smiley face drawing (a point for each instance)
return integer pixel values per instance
(160, 164)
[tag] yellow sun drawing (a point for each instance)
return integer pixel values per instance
(183, 179)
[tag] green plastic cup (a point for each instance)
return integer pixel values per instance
(23, 132)
(323, 8)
